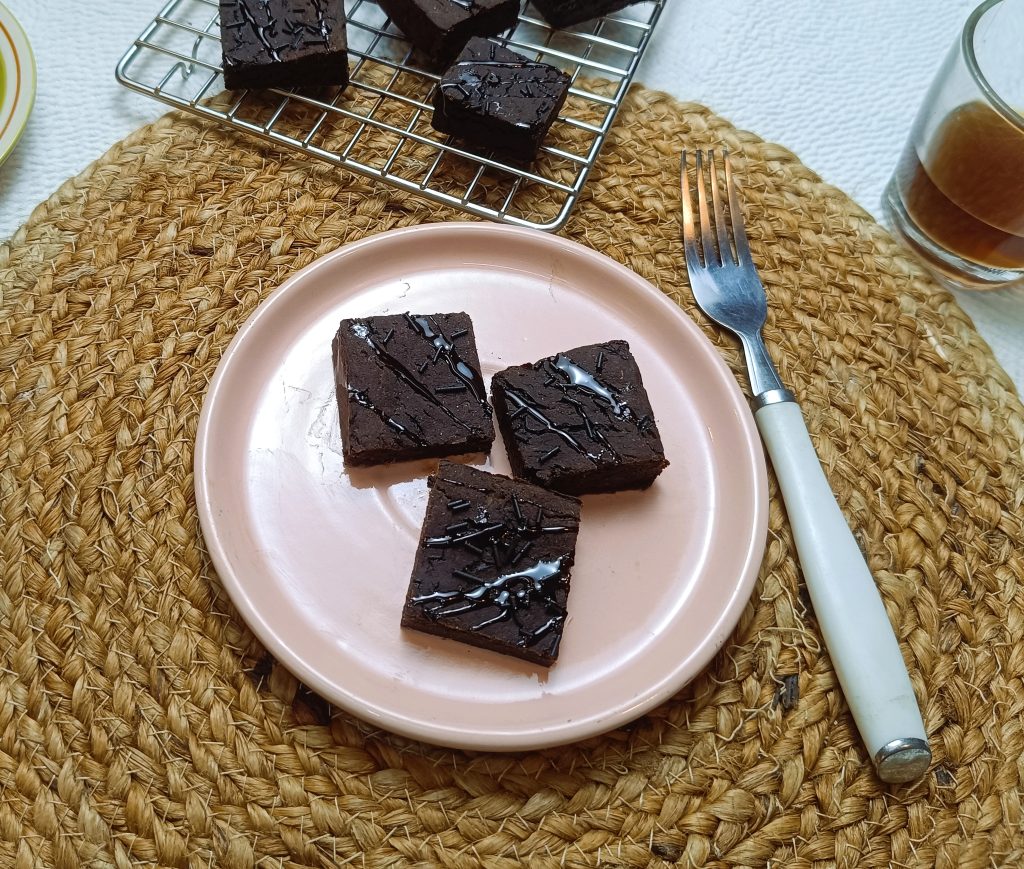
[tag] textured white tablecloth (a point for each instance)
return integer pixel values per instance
(837, 83)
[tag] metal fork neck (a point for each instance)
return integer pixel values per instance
(765, 384)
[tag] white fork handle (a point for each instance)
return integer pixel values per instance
(857, 631)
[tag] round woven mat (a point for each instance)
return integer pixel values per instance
(141, 722)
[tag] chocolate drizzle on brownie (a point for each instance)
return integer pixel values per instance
(590, 399)
(580, 378)
(403, 370)
(507, 594)
(440, 28)
(398, 368)
(497, 99)
(283, 43)
(363, 400)
(446, 349)
(522, 402)
(504, 577)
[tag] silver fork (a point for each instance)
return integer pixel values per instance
(853, 621)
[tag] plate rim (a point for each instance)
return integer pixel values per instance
(14, 125)
(435, 733)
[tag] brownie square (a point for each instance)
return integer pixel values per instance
(493, 562)
(580, 421)
(440, 28)
(563, 13)
(498, 100)
(409, 387)
(283, 43)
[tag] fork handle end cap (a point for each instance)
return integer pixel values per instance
(903, 760)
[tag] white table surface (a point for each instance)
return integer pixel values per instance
(836, 83)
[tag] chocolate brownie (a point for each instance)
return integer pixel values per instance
(580, 421)
(440, 28)
(563, 13)
(283, 43)
(409, 387)
(498, 100)
(492, 566)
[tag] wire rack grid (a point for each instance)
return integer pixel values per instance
(379, 126)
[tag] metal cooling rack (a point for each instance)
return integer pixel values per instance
(379, 125)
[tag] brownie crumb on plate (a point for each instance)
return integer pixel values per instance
(409, 387)
(493, 561)
(580, 421)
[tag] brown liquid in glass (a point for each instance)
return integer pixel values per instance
(967, 194)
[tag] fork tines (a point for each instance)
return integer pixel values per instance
(706, 170)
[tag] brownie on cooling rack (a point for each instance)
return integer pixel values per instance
(497, 100)
(409, 387)
(563, 13)
(580, 421)
(440, 28)
(283, 43)
(492, 565)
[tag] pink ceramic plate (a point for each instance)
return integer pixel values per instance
(317, 558)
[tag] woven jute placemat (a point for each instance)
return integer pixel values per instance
(141, 722)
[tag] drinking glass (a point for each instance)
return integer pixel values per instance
(957, 195)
